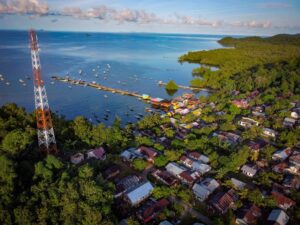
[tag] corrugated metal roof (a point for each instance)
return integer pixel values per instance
(139, 192)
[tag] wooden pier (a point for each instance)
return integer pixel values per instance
(97, 86)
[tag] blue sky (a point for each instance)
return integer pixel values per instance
(164, 16)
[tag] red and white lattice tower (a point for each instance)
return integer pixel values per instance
(46, 138)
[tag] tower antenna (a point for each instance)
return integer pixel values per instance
(46, 137)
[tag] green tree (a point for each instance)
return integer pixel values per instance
(172, 86)
(160, 161)
(139, 164)
(197, 83)
(7, 177)
(16, 141)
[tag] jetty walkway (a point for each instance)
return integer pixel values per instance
(97, 86)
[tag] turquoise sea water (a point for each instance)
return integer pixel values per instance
(137, 62)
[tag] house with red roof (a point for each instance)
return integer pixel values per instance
(151, 209)
(248, 215)
(282, 201)
(188, 178)
(242, 103)
(223, 201)
(165, 177)
(148, 152)
(199, 157)
(186, 161)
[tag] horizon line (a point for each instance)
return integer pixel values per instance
(141, 32)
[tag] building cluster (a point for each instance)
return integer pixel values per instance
(194, 171)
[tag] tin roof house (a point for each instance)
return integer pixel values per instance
(282, 154)
(248, 122)
(278, 217)
(206, 187)
(248, 170)
(77, 158)
(98, 153)
(139, 193)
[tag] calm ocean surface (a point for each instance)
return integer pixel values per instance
(137, 61)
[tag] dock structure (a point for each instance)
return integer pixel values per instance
(186, 87)
(97, 86)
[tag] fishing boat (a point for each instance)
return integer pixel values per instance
(148, 109)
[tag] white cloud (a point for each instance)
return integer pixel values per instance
(189, 20)
(36, 7)
(252, 24)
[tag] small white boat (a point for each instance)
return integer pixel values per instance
(69, 86)
(7, 83)
(21, 81)
(105, 96)
(52, 82)
(24, 84)
(93, 82)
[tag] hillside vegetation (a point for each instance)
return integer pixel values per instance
(244, 54)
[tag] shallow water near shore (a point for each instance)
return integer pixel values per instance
(128, 61)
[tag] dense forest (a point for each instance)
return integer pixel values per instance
(38, 190)
(263, 57)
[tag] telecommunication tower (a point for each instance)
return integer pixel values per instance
(46, 137)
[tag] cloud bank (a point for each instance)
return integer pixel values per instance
(23, 7)
(105, 13)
